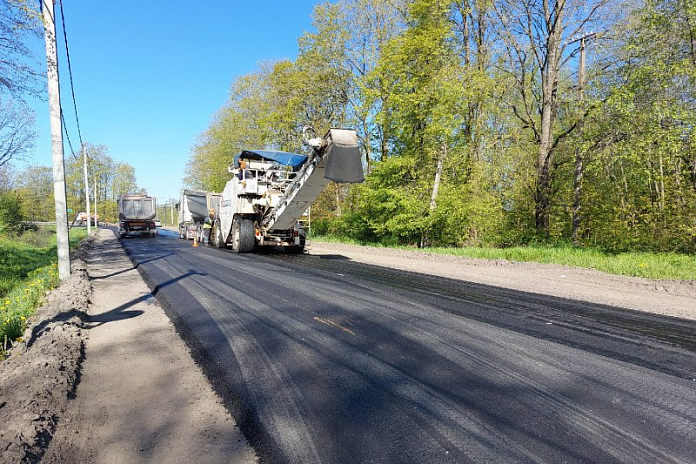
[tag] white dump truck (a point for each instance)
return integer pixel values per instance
(270, 191)
(136, 214)
(194, 206)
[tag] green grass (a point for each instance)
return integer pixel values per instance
(27, 271)
(20, 255)
(660, 266)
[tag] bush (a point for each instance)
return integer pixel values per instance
(10, 213)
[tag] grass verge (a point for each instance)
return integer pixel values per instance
(28, 269)
(659, 266)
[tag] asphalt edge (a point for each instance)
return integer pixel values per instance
(259, 440)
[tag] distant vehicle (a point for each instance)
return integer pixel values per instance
(136, 214)
(81, 219)
(158, 223)
(194, 206)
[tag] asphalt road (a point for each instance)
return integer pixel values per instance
(323, 360)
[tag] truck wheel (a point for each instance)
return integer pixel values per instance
(216, 235)
(181, 234)
(243, 240)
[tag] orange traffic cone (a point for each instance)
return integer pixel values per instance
(195, 240)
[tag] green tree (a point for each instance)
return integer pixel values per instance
(35, 188)
(536, 37)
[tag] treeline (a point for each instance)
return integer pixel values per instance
(493, 122)
(27, 195)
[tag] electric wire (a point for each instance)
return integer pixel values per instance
(60, 103)
(65, 131)
(72, 86)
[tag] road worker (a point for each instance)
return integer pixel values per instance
(206, 231)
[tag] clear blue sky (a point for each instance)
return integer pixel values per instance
(149, 75)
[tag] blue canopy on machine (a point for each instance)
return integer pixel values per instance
(280, 157)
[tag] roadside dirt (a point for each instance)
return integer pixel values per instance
(668, 298)
(40, 377)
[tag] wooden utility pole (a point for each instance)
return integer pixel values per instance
(84, 167)
(579, 170)
(61, 203)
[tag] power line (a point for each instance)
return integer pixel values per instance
(72, 86)
(65, 130)
(60, 105)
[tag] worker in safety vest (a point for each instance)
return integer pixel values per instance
(206, 231)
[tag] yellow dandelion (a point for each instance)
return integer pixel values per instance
(23, 318)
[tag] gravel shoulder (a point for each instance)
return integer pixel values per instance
(668, 298)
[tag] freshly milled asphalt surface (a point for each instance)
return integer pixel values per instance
(323, 360)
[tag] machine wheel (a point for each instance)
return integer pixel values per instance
(243, 240)
(216, 236)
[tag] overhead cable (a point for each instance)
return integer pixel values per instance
(72, 86)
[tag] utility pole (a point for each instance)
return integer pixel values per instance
(579, 169)
(171, 209)
(96, 218)
(84, 167)
(61, 203)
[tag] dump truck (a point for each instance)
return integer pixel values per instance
(194, 206)
(261, 206)
(136, 214)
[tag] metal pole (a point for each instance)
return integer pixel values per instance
(84, 167)
(61, 204)
(171, 209)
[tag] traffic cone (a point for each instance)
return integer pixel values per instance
(195, 240)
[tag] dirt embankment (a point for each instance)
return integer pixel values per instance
(42, 372)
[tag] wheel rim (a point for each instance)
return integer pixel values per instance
(235, 237)
(218, 236)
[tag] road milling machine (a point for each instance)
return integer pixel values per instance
(262, 204)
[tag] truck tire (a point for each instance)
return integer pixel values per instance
(216, 236)
(181, 234)
(243, 239)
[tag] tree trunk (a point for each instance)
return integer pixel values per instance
(438, 176)
(549, 84)
(577, 197)
(368, 153)
(425, 239)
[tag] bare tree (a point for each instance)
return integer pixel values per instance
(18, 75)
(7, 178)
(536, 36)
(16, 131)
